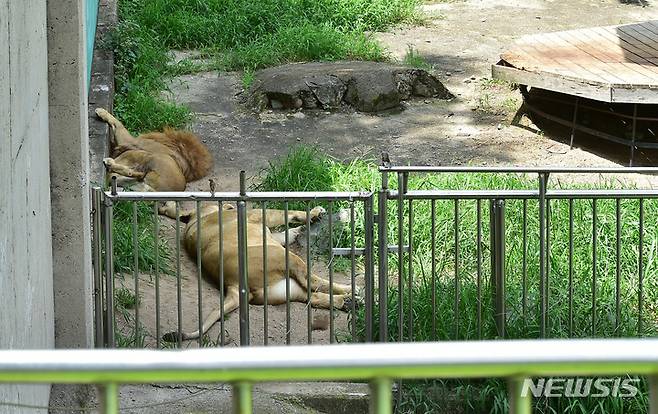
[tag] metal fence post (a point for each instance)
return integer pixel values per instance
(543, 181)
(243, 265)
(383, 258)
(497, 232)
(109, 272)
(109, 396)
(242, 398)
(518, 403)
(96, 207)
(381, 396)
(653, 394)
(369, 270)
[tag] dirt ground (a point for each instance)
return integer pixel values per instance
(461, 40)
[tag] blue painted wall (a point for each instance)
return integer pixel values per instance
(91, 10)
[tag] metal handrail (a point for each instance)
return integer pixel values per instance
(236, 196)
(525, 194)
(521, 170)
(378, 363)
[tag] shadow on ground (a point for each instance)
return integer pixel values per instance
(595, 115)
(643, 3)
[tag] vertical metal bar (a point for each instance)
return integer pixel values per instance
(400, 257)
(573, 123)
(382, 241)
(242, 272)
(199, 273)
(381, 396)
(135, 270)
(96, 195)
(640, 271)
(179, 281)
(109, 398)
(242, 398)
(457, 292)
(156, 253)
(524, 265)
(478, 254)
(353, 269)
(309, 316)
(243, 264)
(332, 335)
(265, 230)
(498, 232)
(634, 133)
(287, 269)
(547, 279)
(618, 268)
(410, 272)
(109, 274)
(594, 238)
(518, 402)
(570, 267)
(433, 245)
(543, 178)
(369, 270)
(653, 394)
(222, 333)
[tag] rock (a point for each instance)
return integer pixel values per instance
(299, 115)
(328, 91)
(366, 86)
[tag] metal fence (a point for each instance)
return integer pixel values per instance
(522, 259)
(376, 363)
(106, 275)
(538, 290)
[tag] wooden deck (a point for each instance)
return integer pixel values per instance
(610, 64)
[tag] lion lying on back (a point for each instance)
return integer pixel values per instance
(156, 161)
(300, 281)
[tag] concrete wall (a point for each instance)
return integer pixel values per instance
(69, 173)
(26, 290)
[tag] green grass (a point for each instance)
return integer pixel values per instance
(289, 173)
(128, 335)
(126, 299)
(240, 35)
(145, 240)
(414, 59)
(302, 169)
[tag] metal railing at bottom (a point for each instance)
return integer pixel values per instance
(379, 364)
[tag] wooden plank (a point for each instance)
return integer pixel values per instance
(595, 58)
(641, 40)
(565, 56)
(630, 44)
(545, 51)
(621, 44)
(645, 64)
(641, 34)
(643, 95)
(544, 64)
(628, 72)
(520, 59)
(553, 82)
(651, 26)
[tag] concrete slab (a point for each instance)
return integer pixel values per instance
(307, 398)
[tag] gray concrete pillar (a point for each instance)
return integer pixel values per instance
(26, 290)
(69, 174)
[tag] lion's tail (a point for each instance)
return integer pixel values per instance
(188, 146)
